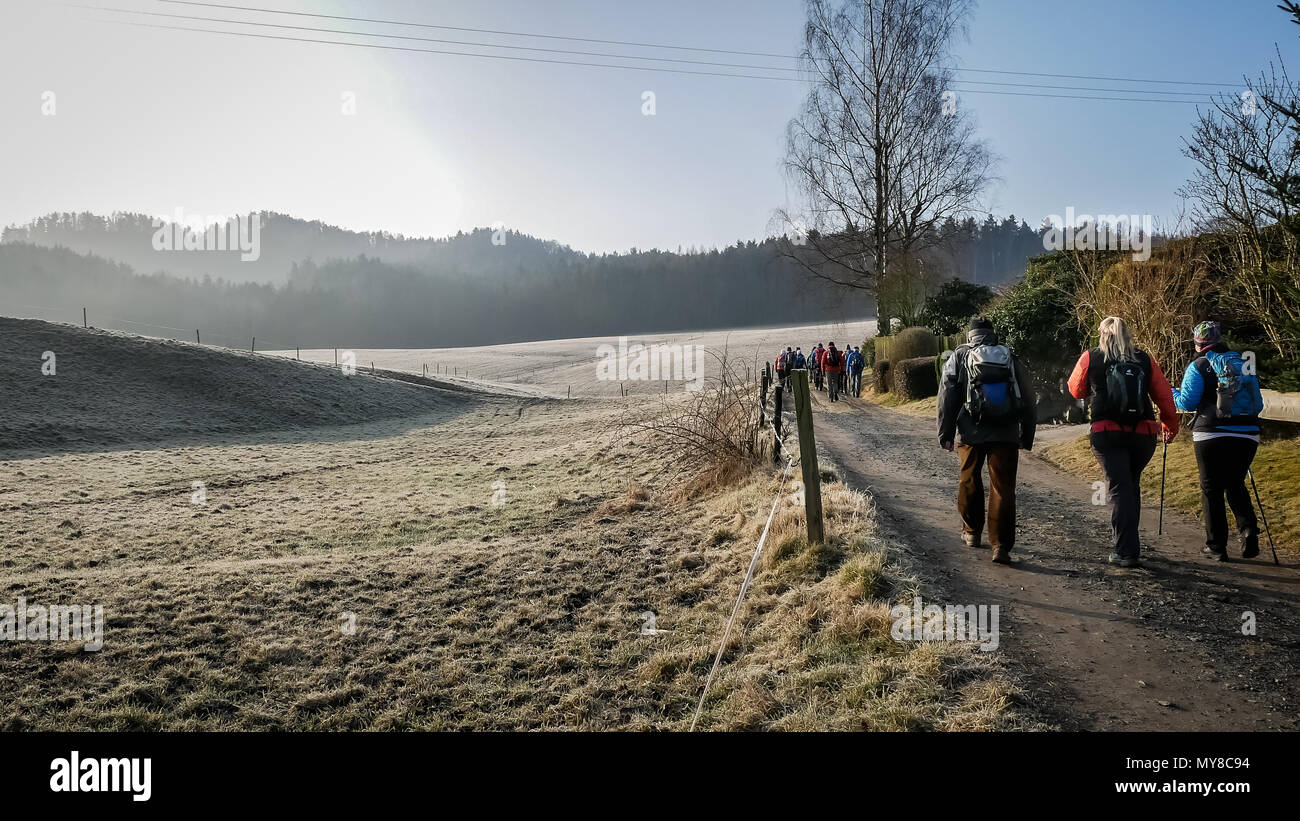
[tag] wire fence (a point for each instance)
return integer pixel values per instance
(253, 342)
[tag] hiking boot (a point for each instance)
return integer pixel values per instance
(1217, 555)
(1001, 555)
(1250, 545)
(1124, 561)
(971, 539)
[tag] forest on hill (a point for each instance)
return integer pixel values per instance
(315, 285)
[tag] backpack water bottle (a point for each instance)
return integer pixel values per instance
(1232, 398)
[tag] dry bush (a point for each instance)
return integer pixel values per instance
(711, 430)
(1159, 298)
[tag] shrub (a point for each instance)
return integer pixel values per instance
(913, 342)
(950, 308)
(880, 376)
(712, 432)
(915, 379)
(869, 350)
(1036, 317)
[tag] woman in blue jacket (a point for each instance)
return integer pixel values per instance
(1225, 435)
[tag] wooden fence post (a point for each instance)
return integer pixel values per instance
(198, 340)
(812, 479)
(85, 323)
(764, 383)
(776, 422)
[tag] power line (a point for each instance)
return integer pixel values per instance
(431, 39)
(1077, 96)
(443, 51)
(1085, 88)
(1091, 77)
(593, 54)
(594, 65)
(661, 45)
(478, 30)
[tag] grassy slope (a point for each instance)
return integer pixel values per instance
(1276, 468)
(915, 407)
(111, 389)
(526, 615)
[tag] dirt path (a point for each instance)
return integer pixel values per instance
(1158, 648)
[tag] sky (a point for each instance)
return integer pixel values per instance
(103, 117)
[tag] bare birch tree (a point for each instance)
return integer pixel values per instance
(881, 153)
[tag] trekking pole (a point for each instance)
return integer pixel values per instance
(1164, 462)
(1262, 514)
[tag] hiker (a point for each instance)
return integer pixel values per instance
(1119, 381)
(857, 362)
(818, 354)
(833, 363)
(1225, 436)
(782, 366)
(800, 362)
(986, 399)
(850, 357)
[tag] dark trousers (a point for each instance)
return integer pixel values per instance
(1123, 456)
(1223, 463)
(833, 382)
(1003, 459)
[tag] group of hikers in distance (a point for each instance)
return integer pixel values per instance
(987, 413)
(831, 370)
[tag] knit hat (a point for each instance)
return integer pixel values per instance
(1207, 334)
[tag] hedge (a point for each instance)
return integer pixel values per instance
(880, 376)
(908, 343)
(915, 379)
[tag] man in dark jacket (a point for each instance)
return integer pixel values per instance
(986, 401)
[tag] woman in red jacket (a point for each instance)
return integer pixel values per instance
(833, 365)
(1119, 381)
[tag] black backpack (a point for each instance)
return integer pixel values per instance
(833, 357)
(1126, 398)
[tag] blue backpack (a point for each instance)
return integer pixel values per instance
(1235, 390)
(992, 392)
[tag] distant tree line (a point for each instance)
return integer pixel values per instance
(315, 285)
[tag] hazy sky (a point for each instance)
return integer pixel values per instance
(153, 120)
